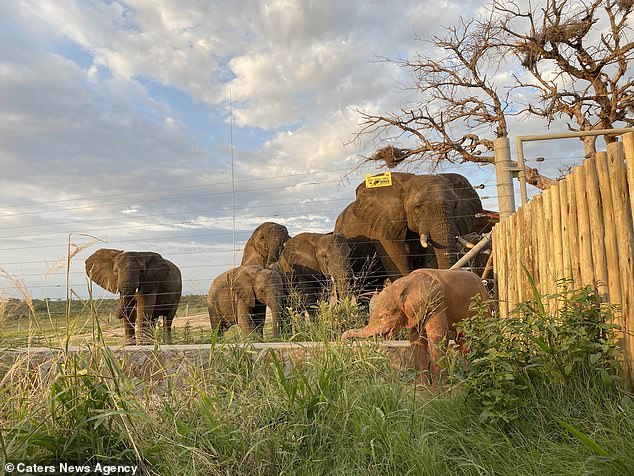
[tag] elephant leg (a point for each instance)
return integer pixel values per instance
(129, 331)
(420, 354)
(258, 317)
(222, 326)
(167, 328)
(244, 319)
(394, 257)
(437, 330)
(145, 309)
(127, 313)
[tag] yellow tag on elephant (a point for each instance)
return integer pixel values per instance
(383, 180)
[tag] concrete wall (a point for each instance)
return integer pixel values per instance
(150, 366)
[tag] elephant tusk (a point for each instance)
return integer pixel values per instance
(423, 241)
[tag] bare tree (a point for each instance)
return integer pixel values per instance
(577, 56)
(573, 58)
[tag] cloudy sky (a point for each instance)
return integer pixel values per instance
(115, 122)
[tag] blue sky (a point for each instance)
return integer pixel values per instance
(115, 123)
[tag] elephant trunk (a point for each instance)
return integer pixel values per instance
(127, 305)
(269, 289)
(367, 331)
(341, 282)
(215, 320)
(127, 312)
(443, 238)
(276, 317)
(275, 251)
(336, 264)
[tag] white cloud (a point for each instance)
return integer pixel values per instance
(113, 120)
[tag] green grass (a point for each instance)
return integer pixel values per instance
(343, 411)
(340, 410)
(45, 324)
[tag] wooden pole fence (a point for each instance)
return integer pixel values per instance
(582, 228)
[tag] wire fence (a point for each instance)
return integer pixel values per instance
(189, 225)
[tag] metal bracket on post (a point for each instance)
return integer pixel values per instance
(504, 168)
(519, 141)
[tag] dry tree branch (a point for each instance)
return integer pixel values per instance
(571, 72)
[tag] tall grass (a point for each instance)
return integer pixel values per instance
(339, 409)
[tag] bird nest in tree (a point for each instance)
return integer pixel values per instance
(391, 156)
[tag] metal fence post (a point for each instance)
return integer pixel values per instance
(504, 176)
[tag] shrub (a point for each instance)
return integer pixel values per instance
(558, 340)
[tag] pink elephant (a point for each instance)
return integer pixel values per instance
(429, 302)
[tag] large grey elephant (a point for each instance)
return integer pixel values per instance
(149, 286)
(411, 224)
(265, 244)
(241, 295)
(314, 262)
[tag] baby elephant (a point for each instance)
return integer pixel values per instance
(241, 295)
(429, 302)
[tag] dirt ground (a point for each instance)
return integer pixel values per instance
(198, 321)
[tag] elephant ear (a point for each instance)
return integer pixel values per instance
(156, 271)
(421, 300)
(469, 203)
(242, 282)
(99, 268)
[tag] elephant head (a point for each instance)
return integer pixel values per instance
(313, 259)
(333, 257)
(415, 214)
(439, 208)
(265, 244)
(241, 295)
(139, 278)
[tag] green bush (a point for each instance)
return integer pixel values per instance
(553, 341)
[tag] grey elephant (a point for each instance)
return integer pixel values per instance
(315, 262)
(149, 287)
(265, 244)
(241, 296)
(411, 224)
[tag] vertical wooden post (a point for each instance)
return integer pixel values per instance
(558, 252)
(611, 248)
(573, 232)
(583, 221)
(628, 146)
(548, 243)
(499, 266)
(597, 229)
(565, 235)
(540, 265)
(504, 176)
(625, 242)
(495, 247)
(512, 266)
(529, 248)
